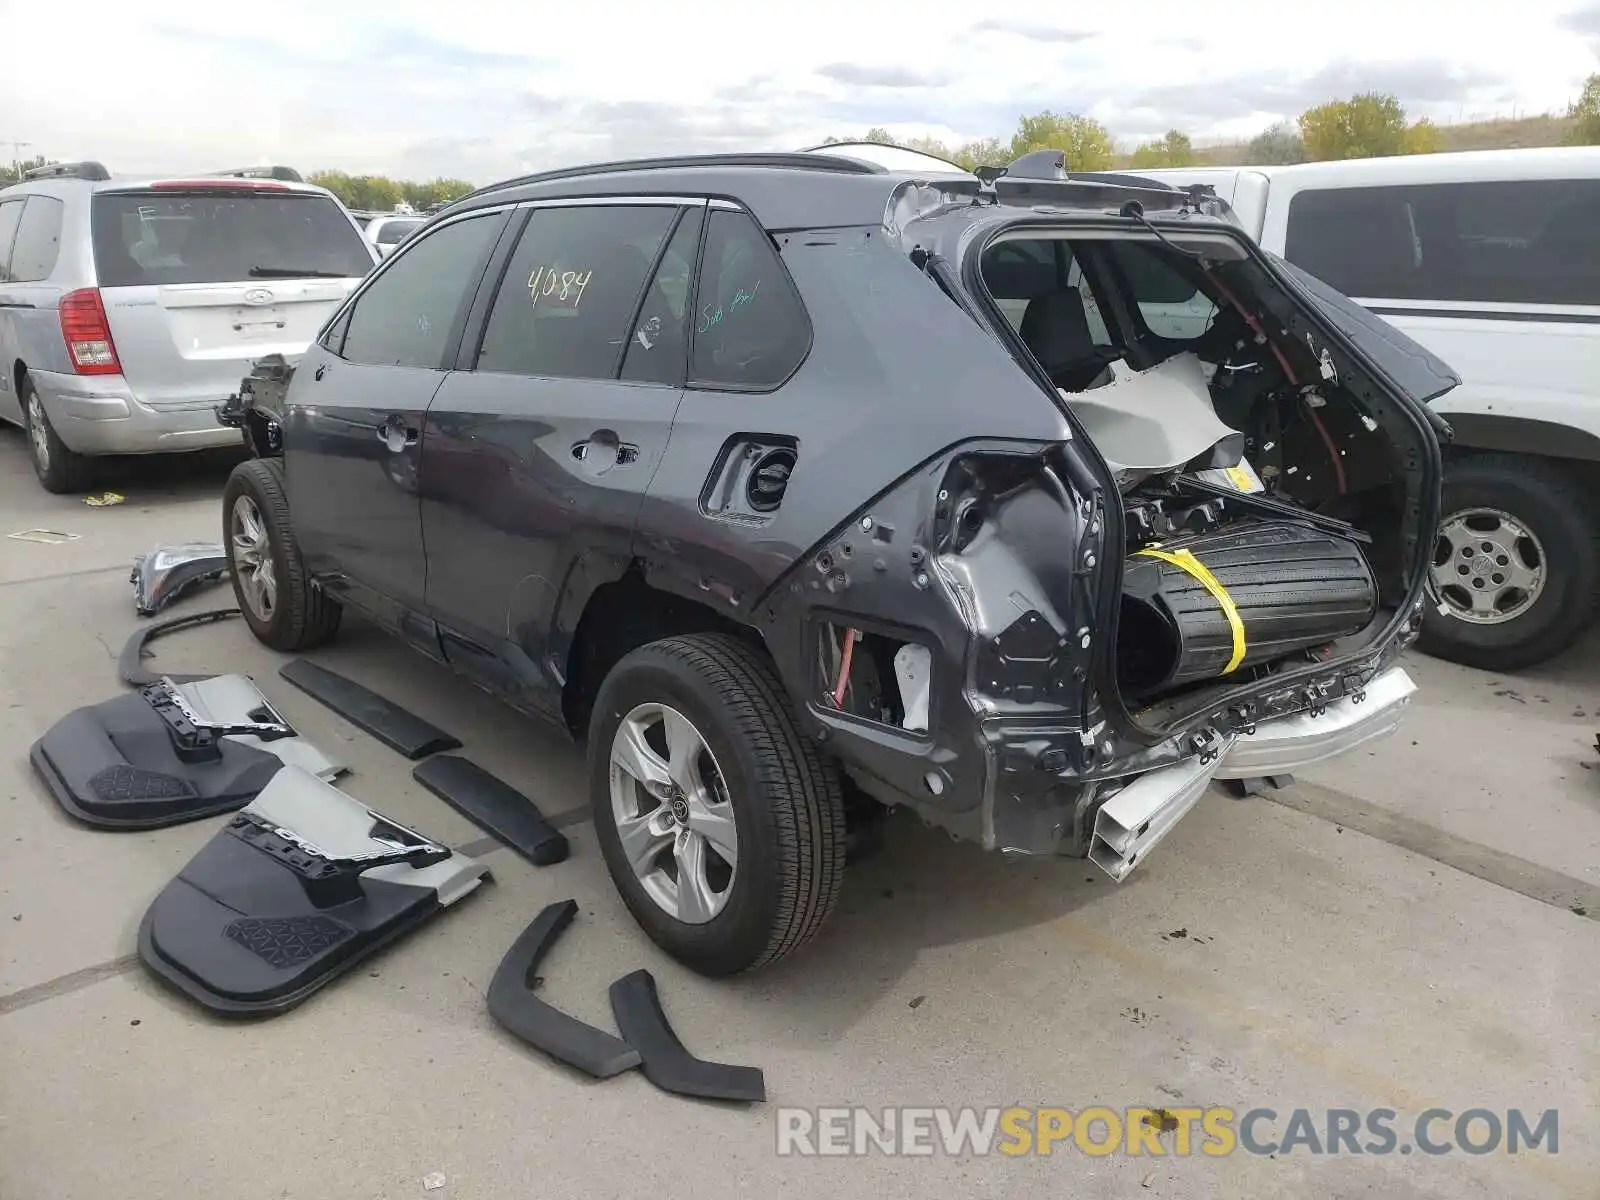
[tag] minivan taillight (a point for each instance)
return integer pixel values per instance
(88, 336)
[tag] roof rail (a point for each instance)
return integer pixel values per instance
(286, 174)
(789, 160)
(69, 170)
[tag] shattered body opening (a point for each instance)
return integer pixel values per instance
(1269, 488)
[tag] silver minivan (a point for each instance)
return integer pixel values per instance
(129, 309)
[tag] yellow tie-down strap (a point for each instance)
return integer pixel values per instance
(1184, 560)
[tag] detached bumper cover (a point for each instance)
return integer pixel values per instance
(301, 885)
(1131, 823)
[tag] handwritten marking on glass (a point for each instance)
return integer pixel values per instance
(712, 314)
(558, 289)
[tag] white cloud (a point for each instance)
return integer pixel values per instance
(482, 89)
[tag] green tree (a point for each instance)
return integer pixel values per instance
(421, 195)
(881, 136)
(1370, 125)
(1279, 145)
(12, 172)
(1084, 140)
(1173, 150)
(1585, 114)
(1423, 137)
(985, 152)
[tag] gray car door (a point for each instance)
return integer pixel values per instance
(356, 409)
(539, 455)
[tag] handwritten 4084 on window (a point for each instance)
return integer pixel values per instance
(552, 287)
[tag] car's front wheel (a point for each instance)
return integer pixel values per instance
(721, 826)
(1517, 562)
(270, 581)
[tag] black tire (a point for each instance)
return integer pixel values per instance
(59, 469)
(1559, 510)
(787, 803)
(302, 617)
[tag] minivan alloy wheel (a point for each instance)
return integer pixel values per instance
(670, 802)
(1489, 567)
(252, 559)
(38, 432)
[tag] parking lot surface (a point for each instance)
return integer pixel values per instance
(1408, 928)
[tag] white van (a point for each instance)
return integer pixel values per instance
(1490, 259)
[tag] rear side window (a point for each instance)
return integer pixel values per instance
(168, 237)
(1534, 242)
(10, 215)
(750, 328)
(38, 244)
(656, 348)
(392, 233)
(407, 315)
(567, 302)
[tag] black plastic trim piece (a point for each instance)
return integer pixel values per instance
(130, 662)
(392, 725)
(494, 806)
(513, 1004)
(637, 1008)
(115, 765)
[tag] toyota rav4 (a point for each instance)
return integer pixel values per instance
(800, 486)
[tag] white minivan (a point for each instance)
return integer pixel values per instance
(1491, 259)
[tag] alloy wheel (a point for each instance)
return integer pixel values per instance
(670, 803)
(252, 559)
(1489, 567)
(38, 432)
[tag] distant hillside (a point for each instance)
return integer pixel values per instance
(1501, 133)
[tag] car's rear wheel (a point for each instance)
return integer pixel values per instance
(721, 826)
(1517, 562)
(59, 470)
(270, 581)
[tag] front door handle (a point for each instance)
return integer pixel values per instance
(397, 435)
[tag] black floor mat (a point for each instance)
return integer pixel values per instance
(116, 765)
(494, 806)
(298, 888)
(389, 723)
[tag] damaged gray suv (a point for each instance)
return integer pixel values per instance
(802, 487)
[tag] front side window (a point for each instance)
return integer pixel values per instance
(1170, 303)
(566, 304)
(407, 316)
(1512, 242)
(750, 328)
(38, 244)
(167, 236)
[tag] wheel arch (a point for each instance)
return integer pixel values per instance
(612, 609)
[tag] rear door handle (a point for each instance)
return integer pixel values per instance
(397, 435)
(604, 451)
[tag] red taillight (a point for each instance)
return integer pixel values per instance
(88, 335)
(218, 185)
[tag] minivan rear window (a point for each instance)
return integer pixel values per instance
(165, 237)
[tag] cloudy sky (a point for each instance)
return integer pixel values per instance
(488, 88)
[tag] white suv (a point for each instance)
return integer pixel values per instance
(1491, 260)
(130, 309)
